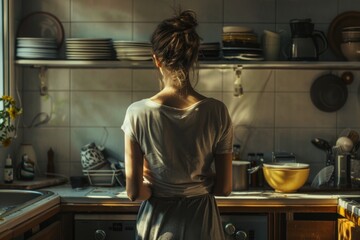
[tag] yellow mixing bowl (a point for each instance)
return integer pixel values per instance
(286, 178)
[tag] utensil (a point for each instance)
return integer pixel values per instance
(306, 43)
(240, 174)
(351, 134)
(328, 93)
(343, 170)
(321, 144)
(334, 36)
(324, 145)
(356, 147)
(323, 176)
(345, 144)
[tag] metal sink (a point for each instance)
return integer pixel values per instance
(12, 200)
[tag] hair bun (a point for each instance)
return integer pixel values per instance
(186, 21)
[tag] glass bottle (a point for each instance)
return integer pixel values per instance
(8, 170)
(260, 160)
(236, 152)
(253, 176)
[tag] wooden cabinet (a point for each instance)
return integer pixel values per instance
(51, 232)
(293, 222)
(44, 226)
(322, 230)
(322, 226)
(6, 235)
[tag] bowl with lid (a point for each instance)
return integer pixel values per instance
(286, 177)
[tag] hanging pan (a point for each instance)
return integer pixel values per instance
(328, 93)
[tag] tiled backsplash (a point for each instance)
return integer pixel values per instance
(274, 114)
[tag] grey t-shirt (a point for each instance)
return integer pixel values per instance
(179, 144)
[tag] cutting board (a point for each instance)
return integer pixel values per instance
(37, 182)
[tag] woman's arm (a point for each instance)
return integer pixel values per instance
(223, 179)
(136, 189)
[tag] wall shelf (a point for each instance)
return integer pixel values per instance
(227, 64)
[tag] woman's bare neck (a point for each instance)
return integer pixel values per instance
(178, 99)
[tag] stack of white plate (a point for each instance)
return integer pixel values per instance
(39, 48)
(89, 49)
(130, 50)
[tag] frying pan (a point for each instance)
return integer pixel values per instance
(328, 93)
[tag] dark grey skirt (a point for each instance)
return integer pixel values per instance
(194, 218)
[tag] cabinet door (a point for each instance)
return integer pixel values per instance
(6, 235)
(51, 232)
(314, 230)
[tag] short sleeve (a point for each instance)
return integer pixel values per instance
(225, 143)
(128, 124)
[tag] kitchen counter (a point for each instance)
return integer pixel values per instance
(93, 194)
(23, 214)
(116, 196)
(114, 200)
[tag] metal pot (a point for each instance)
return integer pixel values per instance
(240, 175)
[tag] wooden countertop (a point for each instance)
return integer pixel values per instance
(114, 198)
(36, 183)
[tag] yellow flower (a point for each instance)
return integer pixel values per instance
(12, 112)
(8, 99)
(6, 142)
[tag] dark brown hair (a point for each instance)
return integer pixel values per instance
(176, 43)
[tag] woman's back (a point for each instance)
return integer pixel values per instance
(180, 142)
(179, 145)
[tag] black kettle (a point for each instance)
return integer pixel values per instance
(306, 44)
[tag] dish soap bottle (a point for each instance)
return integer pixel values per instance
(50, 163)
(8, 170)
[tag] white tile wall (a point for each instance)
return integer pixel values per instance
(101, 11)
(320, 11)
(152, 10)
(275, 113)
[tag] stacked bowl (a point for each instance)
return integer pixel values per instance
(350, 46)
(240, 42)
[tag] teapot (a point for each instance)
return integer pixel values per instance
(306, 43)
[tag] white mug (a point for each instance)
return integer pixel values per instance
(271, 45)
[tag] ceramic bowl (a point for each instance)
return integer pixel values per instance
(351, 50)
(350, 36)
(287, 177)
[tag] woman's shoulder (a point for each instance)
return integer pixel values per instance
(214, 102)
(138, 104)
